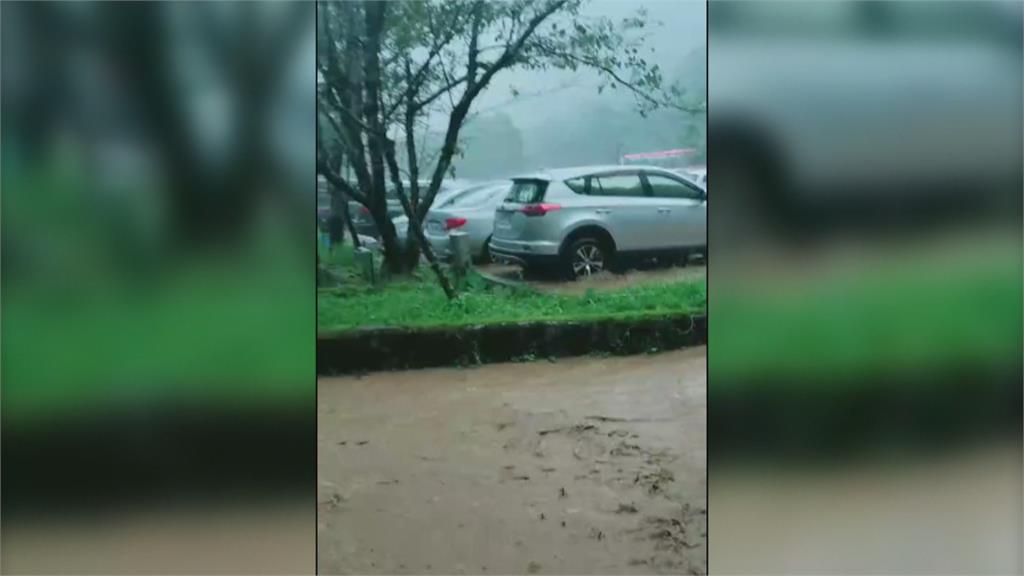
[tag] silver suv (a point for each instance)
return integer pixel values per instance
(584, 220)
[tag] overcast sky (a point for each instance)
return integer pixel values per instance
(676, 28)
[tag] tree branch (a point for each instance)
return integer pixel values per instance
(446, 88)
(415, 222)
(618, 79)
(461, 109)
(339, 82)
(333, 177)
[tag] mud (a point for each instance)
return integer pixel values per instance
(952, 512)
(605, 281)
(581, 466)
(262, 537)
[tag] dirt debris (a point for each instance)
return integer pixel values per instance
(575, 429)
(627, 509)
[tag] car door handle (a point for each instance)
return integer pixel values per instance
(664, 210)
(602, 211)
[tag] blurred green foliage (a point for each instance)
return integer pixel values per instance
(98, 312)
(907, 317)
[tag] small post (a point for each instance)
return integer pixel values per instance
(461, 257)
(364, 261)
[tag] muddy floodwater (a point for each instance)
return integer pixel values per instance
(581, 466)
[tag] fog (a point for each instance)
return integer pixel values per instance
(529, 120)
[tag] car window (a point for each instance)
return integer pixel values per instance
(699, 178)
(475, 196)
(450, 197)
(527, 191)
(499, 193)
(391, 193)
(577, 185)
(665, 187)
(623, 185)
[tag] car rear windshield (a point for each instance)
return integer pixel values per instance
(391, 193)
(527, 191)
(476, 196)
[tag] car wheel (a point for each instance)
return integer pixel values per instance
(586, 257)
(485, 253)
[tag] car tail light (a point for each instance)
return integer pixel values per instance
(364, 210)
(452, 223)
(539, 209)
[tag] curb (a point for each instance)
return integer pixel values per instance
(388, 348)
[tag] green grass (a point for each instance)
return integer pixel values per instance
(419, 302)
(338, 258)
(913, 316)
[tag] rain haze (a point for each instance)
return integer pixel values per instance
(528, 120)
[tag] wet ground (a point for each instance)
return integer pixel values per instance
(583, 466)
(651, 274)
(952, 512)
(260, 537)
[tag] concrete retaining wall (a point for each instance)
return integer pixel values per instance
(389, 348)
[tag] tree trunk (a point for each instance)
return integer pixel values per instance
(416, 227)
(411, 251)
(347, 215)
(338, 219)
(394, 262)
(415, 224)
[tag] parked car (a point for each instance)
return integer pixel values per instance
(470, 210)
(364, 223)
(861, 110)
(698, 176)
(582, 220)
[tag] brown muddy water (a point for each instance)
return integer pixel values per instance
(957, 512)
(582, 466)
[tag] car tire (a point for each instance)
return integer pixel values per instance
(485, 253)
(585, 257)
